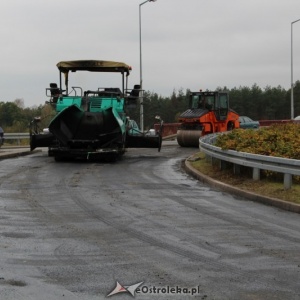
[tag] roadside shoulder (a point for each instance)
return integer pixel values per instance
(15, 152)
(289, 206)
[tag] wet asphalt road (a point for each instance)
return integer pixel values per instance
(71, 230)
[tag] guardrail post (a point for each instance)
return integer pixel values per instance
(287, 181)
(209, 159)
(223, 165)
(256, 174)
(236, 169)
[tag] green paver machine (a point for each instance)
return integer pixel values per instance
(91, 124)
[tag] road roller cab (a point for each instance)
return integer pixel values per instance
(208, 112)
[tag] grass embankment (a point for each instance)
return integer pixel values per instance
(276, 140)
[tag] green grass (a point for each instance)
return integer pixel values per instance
(267, 186)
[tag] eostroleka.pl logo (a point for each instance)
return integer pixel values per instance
(138, 289)
(124, 289)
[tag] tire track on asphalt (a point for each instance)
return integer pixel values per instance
(174, 195)
(103, 216)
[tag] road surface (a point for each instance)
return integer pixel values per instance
(72, 230)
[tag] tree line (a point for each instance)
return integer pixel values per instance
(269, 103)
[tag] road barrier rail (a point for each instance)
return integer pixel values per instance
(16, 136)
(257, 162)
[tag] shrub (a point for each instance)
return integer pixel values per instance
(281, 140)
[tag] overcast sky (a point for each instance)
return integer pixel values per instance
(185, 43)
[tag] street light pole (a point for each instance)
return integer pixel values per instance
(292, 79)
(141, 72)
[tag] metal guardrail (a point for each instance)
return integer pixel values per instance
(16, 136)
(258, 162)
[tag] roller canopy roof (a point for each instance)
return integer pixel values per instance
(93, 66)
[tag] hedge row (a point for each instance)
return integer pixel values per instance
(281, 140)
